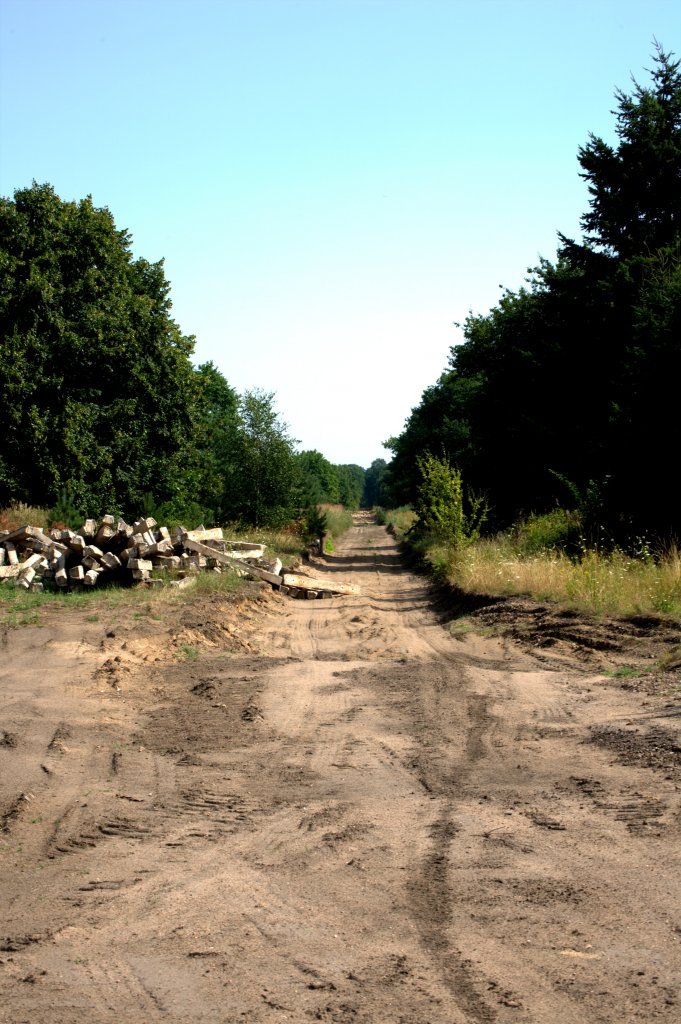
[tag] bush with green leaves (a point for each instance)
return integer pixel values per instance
(443, 509)
(559, 530)
(315, 525)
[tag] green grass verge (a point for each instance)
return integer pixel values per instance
(529, 561)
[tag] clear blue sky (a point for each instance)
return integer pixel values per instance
(332, 183)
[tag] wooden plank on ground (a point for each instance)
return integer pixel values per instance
(199, 534)
(308, 583)
(245, 547)
(12, 554)
(22, 533)
(236, 563)
(187, 581)
(33, 535)
(255, 551)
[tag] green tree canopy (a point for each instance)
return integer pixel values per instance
(319, 478)
(574, 376)
(440, 423)
(375, 492)
(264, 485)
(350, 485)
(206, 484)
(635, 188)
(96, 380)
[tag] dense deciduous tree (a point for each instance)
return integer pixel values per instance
(324, 482)
(96, 381)
(264, 476)
(375, 490)
(319, 478)
(440, 423)
(350, 485)
(207, 482)
(444, 510)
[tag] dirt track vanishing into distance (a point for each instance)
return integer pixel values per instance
(262, 810)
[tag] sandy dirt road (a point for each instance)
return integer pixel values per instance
(336, 810)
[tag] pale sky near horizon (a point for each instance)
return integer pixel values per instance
(332, 184)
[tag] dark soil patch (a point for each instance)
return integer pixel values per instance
(643, 643)
(659, 748)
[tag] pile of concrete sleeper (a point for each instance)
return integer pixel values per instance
(111, 549)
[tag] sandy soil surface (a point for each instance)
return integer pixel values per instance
(349, 810)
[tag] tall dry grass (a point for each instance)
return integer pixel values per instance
(338, 519)
(603, 584)
(18, 514)
(529, 561)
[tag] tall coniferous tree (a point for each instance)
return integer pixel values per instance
(577, 373)
(634, 222)
(635, 188)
